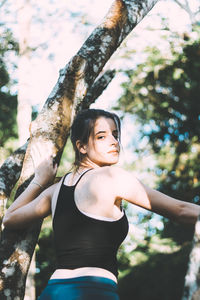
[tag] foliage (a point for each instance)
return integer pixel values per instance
(151, 267)
(7, 117)
(163, 92)
(163, 96)
(7, 100)
(161, 276)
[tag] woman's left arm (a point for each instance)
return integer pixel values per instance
(128, 187)
(174, 209)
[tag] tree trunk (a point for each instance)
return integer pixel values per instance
(9, 175)
(192, 285)
(53, 123)
(30, 290)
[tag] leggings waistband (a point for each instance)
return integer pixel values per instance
(83, 287)
(98, 280)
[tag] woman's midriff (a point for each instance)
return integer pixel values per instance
(86, 271)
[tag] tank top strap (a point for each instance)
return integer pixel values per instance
(82, 176)
(66, 176)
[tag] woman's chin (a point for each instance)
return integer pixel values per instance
(110, 163)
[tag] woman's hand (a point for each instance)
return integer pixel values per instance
(44, 165)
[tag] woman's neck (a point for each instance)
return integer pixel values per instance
(87, 165)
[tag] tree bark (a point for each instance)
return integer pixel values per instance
(192, 278)
(9, 175)
(53, 123)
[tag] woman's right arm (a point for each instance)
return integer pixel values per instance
(29, 207)
(32, 205)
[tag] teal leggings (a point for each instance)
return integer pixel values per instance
(80, 288)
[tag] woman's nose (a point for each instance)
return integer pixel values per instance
(114, 140)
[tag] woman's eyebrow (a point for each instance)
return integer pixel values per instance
(101, 131)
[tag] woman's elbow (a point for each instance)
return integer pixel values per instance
(12, 222)
(188, 213)
(7, 221)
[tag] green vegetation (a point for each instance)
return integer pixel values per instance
(161, 276)
(8, 101)
(163, 96)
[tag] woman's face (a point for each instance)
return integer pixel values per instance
(103, 144)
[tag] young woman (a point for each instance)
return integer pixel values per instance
(88, 221)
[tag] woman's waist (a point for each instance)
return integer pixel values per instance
(83, 271)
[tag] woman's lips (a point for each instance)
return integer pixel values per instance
(113, 151)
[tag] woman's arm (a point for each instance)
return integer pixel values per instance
(128, 187)
(32, 204)
(24, 212)
(174, 209)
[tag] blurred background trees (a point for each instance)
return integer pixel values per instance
(160, 95)
(8, 100)
(163, 95)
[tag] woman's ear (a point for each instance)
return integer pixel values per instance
(81, 147)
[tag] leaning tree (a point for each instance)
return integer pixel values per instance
(78, 85)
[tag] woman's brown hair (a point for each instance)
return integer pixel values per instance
(83, 126)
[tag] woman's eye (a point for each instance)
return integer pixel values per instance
(101, 137)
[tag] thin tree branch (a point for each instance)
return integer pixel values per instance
(187, 8)
(96, 89)
(2, 3)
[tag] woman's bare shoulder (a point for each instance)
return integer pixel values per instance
(111, 175)
(110, 182)
(114, 172)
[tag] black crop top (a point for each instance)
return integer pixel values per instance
(83, 241)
